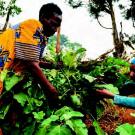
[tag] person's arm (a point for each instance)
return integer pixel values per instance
(50, 65)
(36, 71)
(119, 100)
(47, 65)
(125, 101)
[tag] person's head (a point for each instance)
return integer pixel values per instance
(132, 69)
(50, 15)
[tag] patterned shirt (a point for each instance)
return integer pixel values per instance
(23, 41)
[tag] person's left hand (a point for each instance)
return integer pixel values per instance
(105, 93)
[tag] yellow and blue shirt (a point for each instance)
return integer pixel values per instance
(23, 41)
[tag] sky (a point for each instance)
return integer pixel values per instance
(77, 25)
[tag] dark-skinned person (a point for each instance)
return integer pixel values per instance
(128, 89)
(22, 46)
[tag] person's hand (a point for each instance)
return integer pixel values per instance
(53, 93)
(105, 93)
(52, 97)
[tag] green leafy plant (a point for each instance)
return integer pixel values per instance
(24, 102)
(125, 129)
(63, 121)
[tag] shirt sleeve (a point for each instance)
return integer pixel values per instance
(26, 43)
(125, 101)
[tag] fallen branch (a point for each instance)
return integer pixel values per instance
(102, 56)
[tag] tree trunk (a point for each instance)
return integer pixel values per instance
(7, 19)
(118, 44)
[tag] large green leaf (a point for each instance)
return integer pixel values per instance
(39, 115)
(21, 98)
(70, 59)
(53, 73)
(52, 118)
(46, 124)
(126, 129)
(61, 111)
(77, 126)
(3, 75)
(69, 115)
(41, 131)
(98, 129)
(89, 78)
(32, 104)
(4, 110)
(12, 81)
(59, 130)
(80, 50)
(109, 87)
(29, 130)
(75, 98)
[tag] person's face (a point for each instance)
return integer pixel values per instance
(50, 25)
(132, 72)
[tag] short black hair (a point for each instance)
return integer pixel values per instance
(48, 10)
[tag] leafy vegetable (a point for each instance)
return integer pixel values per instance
(126, 129)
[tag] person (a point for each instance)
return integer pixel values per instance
(118, 99)
(128, 89)
(22, 46)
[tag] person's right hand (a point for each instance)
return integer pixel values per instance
(52, 96)
(52, 92)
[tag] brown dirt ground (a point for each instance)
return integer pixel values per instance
(114, 116)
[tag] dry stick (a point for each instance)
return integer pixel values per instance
(58, 41)
(104, 54)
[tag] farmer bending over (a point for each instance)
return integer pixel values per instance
(22, 46)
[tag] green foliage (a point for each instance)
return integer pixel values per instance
(78, 127)
(29, 130)
(71, 53)
(75, 4)
(39, 115)
(72, 58)
(9, 79)
(76, 89)
(15, 10)
(89, 78)
(95, 8)
(21, 98)
(128, 10)
(12, 81)
(126, 129)
(63, 122)
(3, 75)
(59, 130)
(109, 87)
(76, 99)
(98, 129)
(111, 70)
(3, 111)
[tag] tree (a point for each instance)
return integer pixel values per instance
(10, 9)
(98, 8)
(65, 42)
(129, 11)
